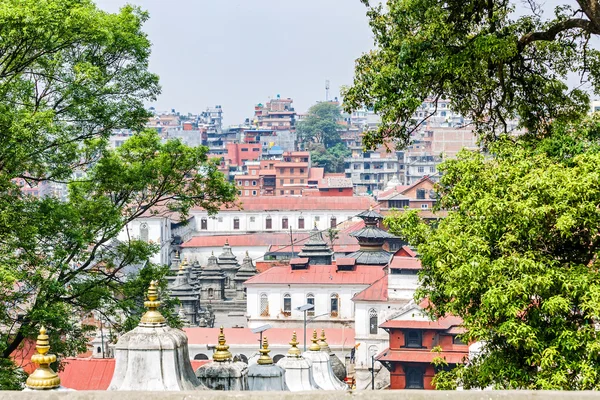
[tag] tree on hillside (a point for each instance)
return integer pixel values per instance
(331, 159)
(517, 259)
(70, 74)
(492, 63)
(320, 125)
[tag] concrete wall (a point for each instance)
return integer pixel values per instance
(159, 231)
(314, 395)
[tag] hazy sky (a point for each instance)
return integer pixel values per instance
(238, 53)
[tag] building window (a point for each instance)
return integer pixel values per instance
(144, 232)
(204, 224)
(281, 182)
(301, 180)
(291, 171)
(247, 192)
(300, 223)
(414, 377)
(269, 223)
(421, 194)
(413, 339)
(456, 340)
(317, 218)
(252, 219)
(211, 293)
(301, 170)
(335, 305)
(236, 223)
(292, 181)
(239, 192)
(246, 183)
(310, 299)
(281, 192)
(220, 219)
(264, 305)
(421, 169)
(333, 222)
(373, 321)
(253, 183)
(254, 193)
(287, 304)
(282, 170)
(292, 191)
(432, 169)
(424, 206)
(284, 223)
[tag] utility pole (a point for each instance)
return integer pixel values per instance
(373, 371)
(292, 241)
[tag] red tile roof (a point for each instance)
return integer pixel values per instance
(292, 164)
(440, 324)
(345, 261)
(378, 291)
(316, 173)
(277, 336)
(399, 262)
(422, 356)
(318, 275)
(87, 373)
(405, 251)
(289, 203)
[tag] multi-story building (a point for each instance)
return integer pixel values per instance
(371, 170)
(277, 114)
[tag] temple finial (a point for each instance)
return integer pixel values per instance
(314, 346)
(222, 352)
(264, 358)
(294, 350)
(43, 377)
(323, 342)
(183, 264)
(152, 316)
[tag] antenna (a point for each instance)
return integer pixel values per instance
(327, 90)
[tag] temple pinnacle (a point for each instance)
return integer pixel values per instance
(43, 377)
(314, 346)
(222, 352)
(152, 316)
(264, 358)
(294, 351)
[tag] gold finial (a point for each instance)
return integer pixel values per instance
(177, 254)
(371, 207)
(183, 264)
(264, 358)
(152, 316)
(43, 377)
(294, 351)
(226, 242)
(323, 343)
(222, 352)
(314, 346)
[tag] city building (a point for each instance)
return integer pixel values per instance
(276, 114)
(371, 170)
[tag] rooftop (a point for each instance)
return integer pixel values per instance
(299, 203)
(318, 275)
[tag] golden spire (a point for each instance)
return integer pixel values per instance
(323, 343)
(183, 264)
(294, 351)
(264, 358)
(314, 346)
(177, 254)
(43, 377)
(152, 316)
(222, 352)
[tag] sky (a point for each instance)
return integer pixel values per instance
(238, 53)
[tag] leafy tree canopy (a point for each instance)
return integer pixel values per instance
(517, 259)
(320, 125)
(494, 64)
(331, 159)
(70, 74)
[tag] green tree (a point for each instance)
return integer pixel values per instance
(70, 74)
(331, 159)
(517, 259)
(492, 63)
(320, 125)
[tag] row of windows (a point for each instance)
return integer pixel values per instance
(281, 181)
(422, 169)
(269, 221)
(334, 305)
(292, 170)
(246, 183)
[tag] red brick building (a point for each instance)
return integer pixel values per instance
(412, 337)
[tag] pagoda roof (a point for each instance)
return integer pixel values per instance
(364, 257)
(370, 214)
(372, 232)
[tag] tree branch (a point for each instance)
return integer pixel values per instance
(550, 33)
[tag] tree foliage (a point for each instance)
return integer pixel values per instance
(493, 63)
(331, 159)
(320, 125)
(70, 74)
(517, 259)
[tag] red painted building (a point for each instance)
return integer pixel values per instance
(412, 337)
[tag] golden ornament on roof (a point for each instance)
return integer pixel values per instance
(152, 316)
(314, 346)
(222, 352)
(264, 358)
(294, 350)
(43, 377)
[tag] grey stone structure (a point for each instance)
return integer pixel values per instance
(153, 356)
(338, 367)
(223, 373)
(246, 271)
(316, 249)
(182, 290)
(229, 265)
(298, 371)
(212, 281)
(371, 239)
(321, 367)
(264, 376)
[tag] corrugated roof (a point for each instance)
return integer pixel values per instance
(316, 173)
(87, 373)
(318, 274)
(277, 336)
(399, 262)
(378, 291)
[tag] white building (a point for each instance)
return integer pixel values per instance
(280, 213)
(274, 295)
(155, 229)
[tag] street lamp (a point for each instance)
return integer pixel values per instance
(373, 352)
(304, 309)
(260, 330)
